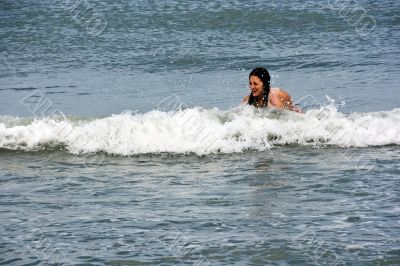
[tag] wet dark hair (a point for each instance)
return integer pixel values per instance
(262, 74)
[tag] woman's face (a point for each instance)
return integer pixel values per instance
(256, 86)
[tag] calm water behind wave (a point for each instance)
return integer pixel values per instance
(201, 51)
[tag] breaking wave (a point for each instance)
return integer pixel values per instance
(200, 131)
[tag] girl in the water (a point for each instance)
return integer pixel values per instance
(262, 95)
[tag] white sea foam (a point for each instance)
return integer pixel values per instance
(202, 131)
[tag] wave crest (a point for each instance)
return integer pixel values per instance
(201, 131)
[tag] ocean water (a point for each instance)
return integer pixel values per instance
(123, 141)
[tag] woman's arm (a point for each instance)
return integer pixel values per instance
(284, 101)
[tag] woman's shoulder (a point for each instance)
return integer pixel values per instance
(246, 99)
(278, 92)
(278, 97)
